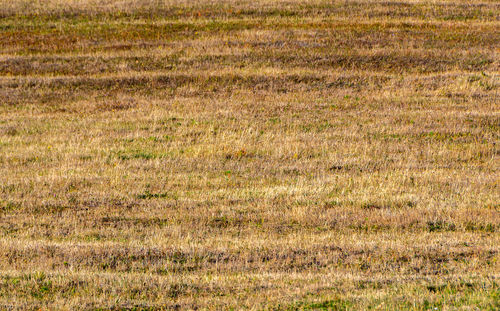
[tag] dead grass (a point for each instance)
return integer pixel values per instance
(275, 155)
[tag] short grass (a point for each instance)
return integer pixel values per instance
(271, 155)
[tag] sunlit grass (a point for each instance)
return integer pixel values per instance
(276, 155)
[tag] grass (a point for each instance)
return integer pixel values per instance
(270, 155)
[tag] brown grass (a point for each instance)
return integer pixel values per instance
(274, 155)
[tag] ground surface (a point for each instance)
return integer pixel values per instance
(249, 154)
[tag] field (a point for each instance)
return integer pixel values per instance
(270, 155)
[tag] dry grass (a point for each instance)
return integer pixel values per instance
(259, 154)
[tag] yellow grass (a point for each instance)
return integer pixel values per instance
(275, 155)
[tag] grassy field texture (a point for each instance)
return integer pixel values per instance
(275, 155)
